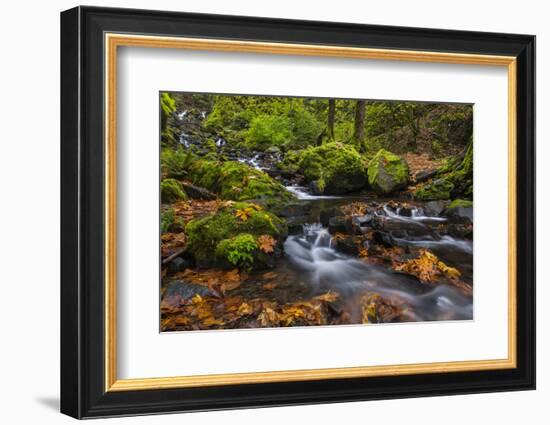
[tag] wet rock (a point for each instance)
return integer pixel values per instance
(273, 150)
(405, 211)
(400, 227)
(186, 290)
(347, 245)
(179, 264)
(296, 224)
(197, 192)
(363, 220)
(339, 225)
(328, 213)
(315, 188)
(460, 214)
(294, 209)
(384, 239)
(424, 175)
(435, 208)
(460, 231)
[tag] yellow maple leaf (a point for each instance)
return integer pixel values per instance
(243, 214)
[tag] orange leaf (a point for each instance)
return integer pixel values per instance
(266, 243)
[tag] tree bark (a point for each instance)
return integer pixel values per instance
(330, 118)
(359, 130)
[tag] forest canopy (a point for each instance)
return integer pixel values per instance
(289, 123)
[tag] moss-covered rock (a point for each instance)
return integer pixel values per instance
(463, 203)
(291, 162)
(460, 211)
(171, 191)
(387, 172)
(439, 189)
(336, 168)
(205, 235)
(236, 181)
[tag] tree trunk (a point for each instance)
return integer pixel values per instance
(359, 130)
(330, 118)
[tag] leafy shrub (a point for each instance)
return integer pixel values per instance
(174, 163)
(238, 250)
(268, 130)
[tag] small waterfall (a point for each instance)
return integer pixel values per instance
(253, 162)
(302, 193)
(417, 214)
(185, 139)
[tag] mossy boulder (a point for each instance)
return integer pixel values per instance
(214, 239)
(171, 191)
(387, 172)
(439, 189)
(334, 167)
(236, 181)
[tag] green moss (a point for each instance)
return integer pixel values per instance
(387, 172)
(238, 251)
(171, 191)
(461, 203)
(291, 162)
(232, 180)
(205, 173)
(439, 189)
(204, 234)
(167, 108)
(339, 167)
(241, 182)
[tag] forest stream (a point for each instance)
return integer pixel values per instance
(312, 266)
(279, 212)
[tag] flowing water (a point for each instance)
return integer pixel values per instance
(312, 266)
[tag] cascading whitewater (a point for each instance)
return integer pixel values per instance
(312, 257)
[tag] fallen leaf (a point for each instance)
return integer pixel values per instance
(266, 243)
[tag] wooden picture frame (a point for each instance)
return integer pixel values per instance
(90, 38)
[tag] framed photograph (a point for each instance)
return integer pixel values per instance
(261, 212)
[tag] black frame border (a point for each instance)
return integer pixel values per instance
(82, 212)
